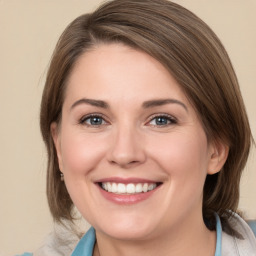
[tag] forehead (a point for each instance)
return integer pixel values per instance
(111, 71)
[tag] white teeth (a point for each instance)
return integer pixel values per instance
(104, 186)
(114, 188)
(145, 187)
(131, 188)
(120, 188)
(151, 187)
(138, 188)
(109, 187)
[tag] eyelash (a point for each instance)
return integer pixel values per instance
(170, 119)
(90, 116)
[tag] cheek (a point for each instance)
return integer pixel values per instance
(182, 156)
(80, 153)
(184, 160)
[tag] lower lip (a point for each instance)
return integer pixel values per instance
(127, 198)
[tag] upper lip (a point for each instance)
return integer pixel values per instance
(126, 180)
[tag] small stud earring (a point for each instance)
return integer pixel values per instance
(61, 176)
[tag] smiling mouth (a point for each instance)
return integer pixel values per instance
(128, 189)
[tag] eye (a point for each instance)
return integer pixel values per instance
(93, 120)
(162, 120)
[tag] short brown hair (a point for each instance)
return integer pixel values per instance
(193, 55)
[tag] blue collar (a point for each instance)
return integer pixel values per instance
(219, 235)
(86, 244)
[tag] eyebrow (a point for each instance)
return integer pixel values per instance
(161, 102)
(146, 104)
(95, 103)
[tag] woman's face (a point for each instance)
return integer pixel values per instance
(131, 147)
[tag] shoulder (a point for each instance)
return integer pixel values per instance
(65, 242)
(60, 242)
(235, 246)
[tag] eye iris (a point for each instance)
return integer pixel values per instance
(96, 120)
(161, 120)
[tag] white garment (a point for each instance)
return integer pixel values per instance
(60, 242)
(232, 246)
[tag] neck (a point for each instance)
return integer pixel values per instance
(192, 239)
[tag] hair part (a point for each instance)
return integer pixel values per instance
(193, 55)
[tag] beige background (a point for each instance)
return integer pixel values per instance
(29, 30)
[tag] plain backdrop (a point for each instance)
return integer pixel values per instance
(29, 30)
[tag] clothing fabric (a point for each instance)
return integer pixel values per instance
(66, 244)
(233, 246)
(86, 244)
(252, 224)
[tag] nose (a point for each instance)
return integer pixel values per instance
(126, 149)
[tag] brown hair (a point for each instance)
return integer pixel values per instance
(194, 56)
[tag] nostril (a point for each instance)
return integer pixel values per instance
(124, 163)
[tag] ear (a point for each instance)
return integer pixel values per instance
(218, 156)
(56, 139)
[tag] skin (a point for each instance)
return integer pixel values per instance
(129, 142)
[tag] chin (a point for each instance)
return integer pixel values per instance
(126, 230)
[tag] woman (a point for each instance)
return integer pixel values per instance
(147, 134)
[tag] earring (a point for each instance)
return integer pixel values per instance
(61, 176)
